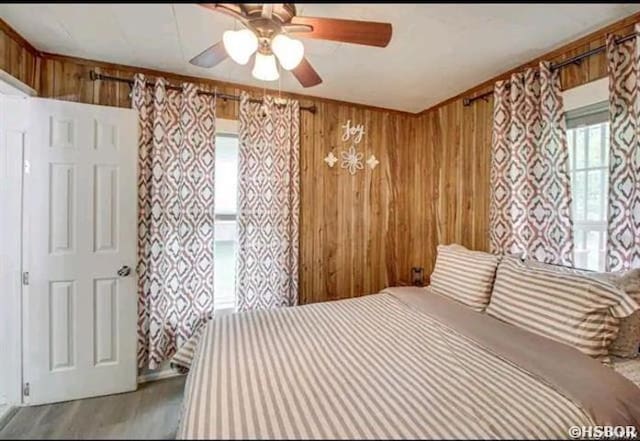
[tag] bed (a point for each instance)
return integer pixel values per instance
(405, 363)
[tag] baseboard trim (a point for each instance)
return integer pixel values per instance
(6, 413)
(160, 374)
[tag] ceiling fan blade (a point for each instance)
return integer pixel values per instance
(369, 33)
(211, 56)
(267, 10)
(235, 10)
(306, 74)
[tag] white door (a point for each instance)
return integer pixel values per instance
(80, 301)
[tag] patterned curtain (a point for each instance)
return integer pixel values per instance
(530, 213)
(623, 235)
(268, 204)
(176, 216)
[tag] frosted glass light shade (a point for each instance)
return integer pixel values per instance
(240, 45)
(265, 68)
(288, 51)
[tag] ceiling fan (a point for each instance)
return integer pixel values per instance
(267, 32)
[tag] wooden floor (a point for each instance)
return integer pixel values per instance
(150, 412)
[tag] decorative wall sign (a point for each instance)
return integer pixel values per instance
(351, 159)
(354, 131)
(331, 159)
(372, 162)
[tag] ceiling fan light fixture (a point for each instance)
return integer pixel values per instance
(289, 51)
(265, 68)
(240, 45)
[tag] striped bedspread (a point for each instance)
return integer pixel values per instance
(390, 365)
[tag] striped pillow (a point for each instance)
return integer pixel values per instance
(627, 342)
(464, 275)
(570, 308)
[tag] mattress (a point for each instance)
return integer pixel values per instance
(405, 363)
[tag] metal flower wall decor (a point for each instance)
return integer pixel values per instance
(351, 159)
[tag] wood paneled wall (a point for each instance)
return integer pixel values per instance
(18, 57)
(354, 231)
(359, 233)
(459, 139)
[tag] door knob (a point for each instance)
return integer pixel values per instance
(124, 271)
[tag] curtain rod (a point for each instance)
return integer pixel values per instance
(573, 60)
(94, 76)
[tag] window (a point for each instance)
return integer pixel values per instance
(226, 169)
(588, 141)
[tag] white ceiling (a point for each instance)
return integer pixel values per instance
(437, 50)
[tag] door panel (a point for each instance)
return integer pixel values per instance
(80, 321)
(62, 300)
(62, 188)
(105, 321)
(106, 208)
